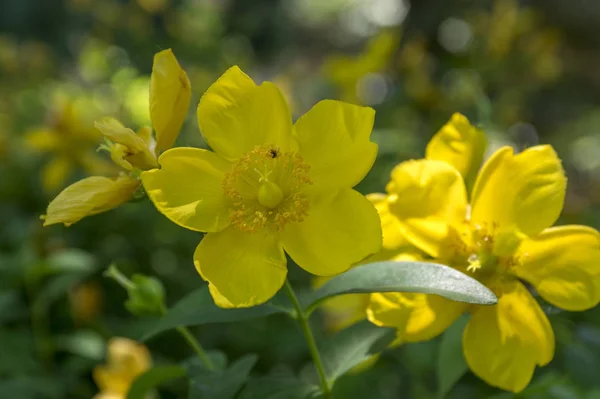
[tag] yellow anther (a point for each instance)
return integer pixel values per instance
(266, 189)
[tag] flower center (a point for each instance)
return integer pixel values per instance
(484, 251)
(266, 187)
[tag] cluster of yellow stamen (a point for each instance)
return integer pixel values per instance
(476, 253)
(266, 189)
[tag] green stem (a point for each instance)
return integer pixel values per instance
(193, 342)
(302, 318)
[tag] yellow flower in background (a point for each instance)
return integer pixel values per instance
(269, 187)
(346, 72)
(459, 144)
(126, 360)
(504, 236)
(170, 93)
(70, 138)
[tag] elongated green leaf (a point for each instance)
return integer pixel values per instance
(352, 346)
(153, 378)
(277, 387)
(199, 308)
(222, 384)
(451, 364)
(391, 276)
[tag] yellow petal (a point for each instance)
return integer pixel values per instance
(393, 237)
(524, 191)
(334, 139)
(563, 263)
(128, 355)
(243, 269)
(88, 197)
(460, 144)
(344, 310)
(42, 140)
(503, 343)
(429, 199)
(170, 93)
(55, 173)
(114, 130)
(137, 151)
(389, 309)
(125, 361)
(418, 317)
(235, 115)
(188, 188)
(118, 153)
(339, 230)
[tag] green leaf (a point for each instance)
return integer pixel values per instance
(352, 346)
(391, 276)
(277, 387)
(153, 378)
(195, 366)
(199, 308)
(451, 364)
(223, 384)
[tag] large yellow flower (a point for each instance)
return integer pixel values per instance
(502, 238)
(169, 101)
(269, 186)
(126, 360)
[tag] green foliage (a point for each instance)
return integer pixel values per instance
(353, 346)
(198, 308)
(451, 364)
(510, 75)
(223, 383)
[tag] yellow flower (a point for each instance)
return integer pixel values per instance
(504, 236)
(126, 360)
(457, 143)
(169, 100)
(70, 138)
(269, 186)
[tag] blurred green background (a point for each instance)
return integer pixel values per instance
(527, 71)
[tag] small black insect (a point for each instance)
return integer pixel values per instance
(273, 152)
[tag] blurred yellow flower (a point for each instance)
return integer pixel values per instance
(70, 137)
(346, 72)
(169, 100)
(269, 186)
(501, 238)
(125, 361)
